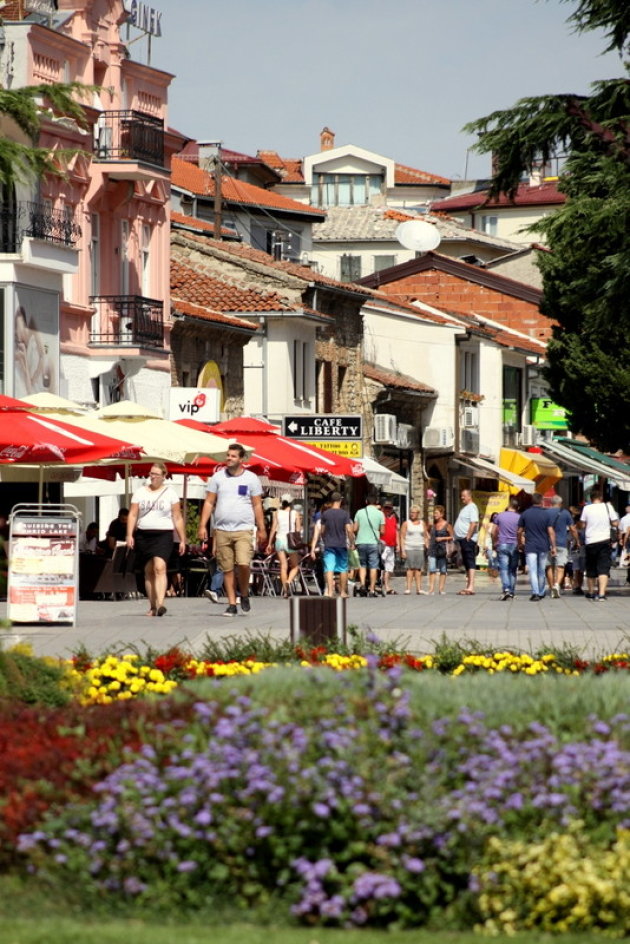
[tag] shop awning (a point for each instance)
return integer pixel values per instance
(531, 465)
(516, 482)
(582, 456)
(384, 478)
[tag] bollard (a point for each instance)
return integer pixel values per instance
(318, 620)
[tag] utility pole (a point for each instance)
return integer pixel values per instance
(218, 195)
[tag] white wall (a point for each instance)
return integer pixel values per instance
(268, 368)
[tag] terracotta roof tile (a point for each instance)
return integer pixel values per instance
(411, 175)
(205, 314)
(189, 176)
(526, 195)
(394, 379)
(290, 169)
(200, 288)
(248, 253)
(193, 222)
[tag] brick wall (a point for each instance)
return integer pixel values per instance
(453, 293)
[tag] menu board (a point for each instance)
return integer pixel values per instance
(43, 569)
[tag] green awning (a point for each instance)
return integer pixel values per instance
(618, 470)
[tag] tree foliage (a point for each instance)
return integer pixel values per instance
(29, 107)
(586, 273)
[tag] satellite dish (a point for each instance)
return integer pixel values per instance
(418, 235)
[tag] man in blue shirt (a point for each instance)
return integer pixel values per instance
(561, 521)
(539, 538)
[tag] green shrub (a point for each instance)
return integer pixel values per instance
(32, 680)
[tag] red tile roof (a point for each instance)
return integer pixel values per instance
(290, 169)
(193, 222)
(189, 176)
(526, 195)
(246, 252)
(203, 289)
(205, 314)
(393, 379)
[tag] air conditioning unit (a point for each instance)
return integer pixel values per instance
(438, 437)
(528, 436)
(470, 441)
(407, 438)
(385, 428)
(470, 418)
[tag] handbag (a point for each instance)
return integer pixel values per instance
(614, 534)
(294, 538)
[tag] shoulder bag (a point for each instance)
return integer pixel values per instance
(614, 534)
(294, 538)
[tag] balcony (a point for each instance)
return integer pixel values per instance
(131, 142)
(38, 221)
(127, 321)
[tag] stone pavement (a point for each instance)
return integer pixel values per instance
(414, 621)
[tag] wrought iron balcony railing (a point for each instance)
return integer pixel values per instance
(129, 136)
(23, 218)
(127, 321)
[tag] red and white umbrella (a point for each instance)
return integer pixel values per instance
(31, 439)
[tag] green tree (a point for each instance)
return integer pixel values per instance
(586, 274)
(28, 108)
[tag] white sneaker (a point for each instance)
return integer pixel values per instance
(555, 592)
(422, 593)
(211, 595)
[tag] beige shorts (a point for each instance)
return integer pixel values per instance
(234, 548)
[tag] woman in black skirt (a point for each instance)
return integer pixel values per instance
(154, 513)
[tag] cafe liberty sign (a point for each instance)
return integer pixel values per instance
(342, 435)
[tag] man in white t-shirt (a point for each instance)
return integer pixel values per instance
(234, 496)
(597, 520)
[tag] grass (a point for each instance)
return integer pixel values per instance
(75, 931)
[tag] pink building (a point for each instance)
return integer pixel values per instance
(84, 259)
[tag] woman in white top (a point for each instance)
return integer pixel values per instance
(285, 519)
(154, 513)
(413, 540)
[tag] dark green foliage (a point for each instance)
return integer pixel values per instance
(586, 275)
(31, 680)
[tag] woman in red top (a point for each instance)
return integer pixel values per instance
(391, 545)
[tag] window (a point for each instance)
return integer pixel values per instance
(345, 189)
(324, 387)
(512, 398)
(383, 262)
(145, 261)
(350, 268)
(342, 370)
(124, 257)
(95, 255)
(488, 225)
(300, 370)
(470, 371)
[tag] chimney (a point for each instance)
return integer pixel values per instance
(326, 140)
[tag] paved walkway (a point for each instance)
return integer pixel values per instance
(414, 621)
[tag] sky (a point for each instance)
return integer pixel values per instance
(398, 77)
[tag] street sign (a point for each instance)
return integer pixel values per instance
(323, 427)
(350, 448)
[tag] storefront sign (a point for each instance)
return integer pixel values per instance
(144, 18)
(351, 449)
(323, 427)
(192, 403)
(43, 565)
(545, 414)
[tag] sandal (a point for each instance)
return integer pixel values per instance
(465, 593)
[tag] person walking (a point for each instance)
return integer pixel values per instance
(505, 537)
(537, 536)
(439, 536)
(234, 496)
(390, 546)
(561, 521)
(369, 523)
(466, 532)
(413, 540)
(337, 535)
(154, 514)
(599, 520)
(285, 520)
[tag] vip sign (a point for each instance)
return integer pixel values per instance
(192, 403)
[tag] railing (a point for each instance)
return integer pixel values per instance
(129, 136)
(24, 218)
(127, 321)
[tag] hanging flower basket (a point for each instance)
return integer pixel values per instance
(471, 397)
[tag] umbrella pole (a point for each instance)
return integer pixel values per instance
(40, 486)
(185, 502)
(127, 496)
